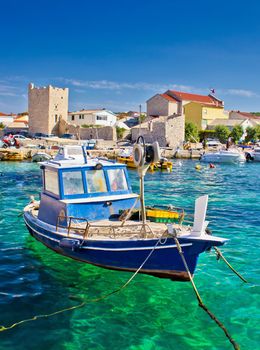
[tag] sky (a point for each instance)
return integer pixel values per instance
(117, 54)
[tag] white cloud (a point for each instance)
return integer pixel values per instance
(113, 85)
(241, 92)
(8, 90)
(153, 87)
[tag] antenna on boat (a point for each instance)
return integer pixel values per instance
(143, 156)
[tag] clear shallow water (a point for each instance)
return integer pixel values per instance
(150, 313)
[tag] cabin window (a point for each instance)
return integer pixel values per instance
(117, 180)
(96, 181)
(51, 181)
(72, 182)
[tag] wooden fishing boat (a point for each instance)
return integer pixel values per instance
(86, 213)
(127, 158)
(11, 154)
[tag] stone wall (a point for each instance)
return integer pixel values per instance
(175, 131)
(168, 131)
(46, 106)
(104, 133)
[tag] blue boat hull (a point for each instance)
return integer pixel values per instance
(126, 255)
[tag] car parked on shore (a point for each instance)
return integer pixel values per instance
(68, 136)
(20, 137)
(213, 143)
(40, 135)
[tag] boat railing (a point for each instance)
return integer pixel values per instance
(73, 224)
(113, 229)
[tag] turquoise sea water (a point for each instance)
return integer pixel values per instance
(150, 313)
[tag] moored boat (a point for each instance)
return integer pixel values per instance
(126, 157)
(224, 156)
(253, 155)
(85, 213)
(40, 157)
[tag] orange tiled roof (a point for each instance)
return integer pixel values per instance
(248, 115)
(169, 98)
(21, 119)
(193, 97)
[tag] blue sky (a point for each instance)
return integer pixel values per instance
(117, 54)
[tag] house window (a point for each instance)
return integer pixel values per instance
(56, 118)
(72, 182)
(81, 116)
(101, 117)
(73, 117)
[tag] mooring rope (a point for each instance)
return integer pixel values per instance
(201, 304)
(220, 255)
(102, 297)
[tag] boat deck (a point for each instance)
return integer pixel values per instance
(113, 229)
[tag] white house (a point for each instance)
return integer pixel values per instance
(230, 123)
(6, 119)
(92, 117)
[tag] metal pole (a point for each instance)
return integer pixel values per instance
(143, 213)
(140, 111)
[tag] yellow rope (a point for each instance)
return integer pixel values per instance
(102, 297)
(201, 304)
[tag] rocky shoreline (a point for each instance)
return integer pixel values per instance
(26, 153)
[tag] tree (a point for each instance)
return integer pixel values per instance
(250, 134)
(191, 132)
(258, 132)
(2, 125)
(222, 133)
(237, 133)
(119, 132)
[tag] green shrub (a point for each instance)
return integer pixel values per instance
(91, 126)
(119, 132)
(222, 133)
(252, 133)
(191, 132)
(237, 133)
(207, 134)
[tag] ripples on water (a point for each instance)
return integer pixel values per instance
(150, 313)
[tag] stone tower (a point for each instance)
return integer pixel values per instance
(46, 106)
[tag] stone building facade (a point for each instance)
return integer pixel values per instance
(46, 107)
(168, 131)
(161, 105)
(107, 133)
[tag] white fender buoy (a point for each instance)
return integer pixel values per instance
(138, 155)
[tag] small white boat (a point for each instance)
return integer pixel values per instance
(253, 155)
(40, 157)
(224, 156)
